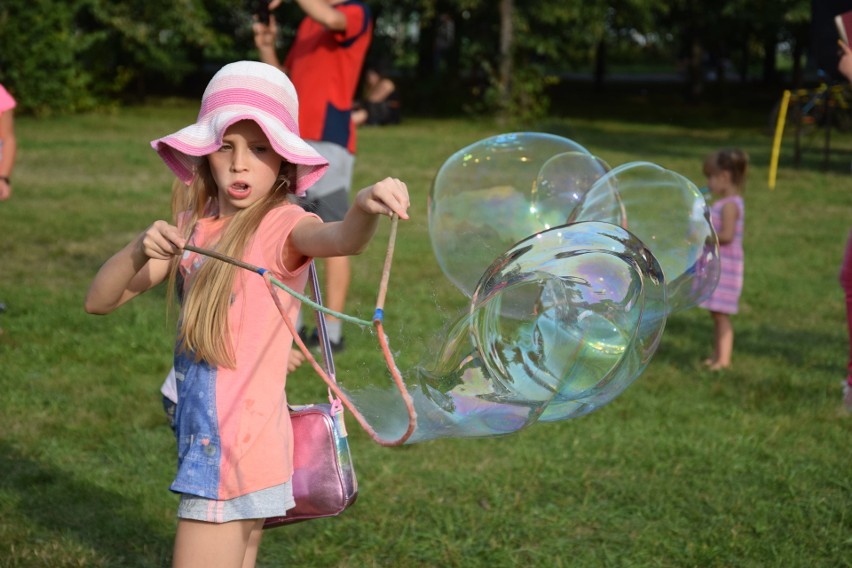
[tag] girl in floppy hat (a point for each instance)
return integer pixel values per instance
(241, 160)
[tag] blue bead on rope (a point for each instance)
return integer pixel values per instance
(379, 315)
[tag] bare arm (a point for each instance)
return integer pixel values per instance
(310, 237)
(7, 154)
(845, 63)
(321, 11)
(726, 232)
(138, 267)
(264, 40)
(381, 91)
(318, 10)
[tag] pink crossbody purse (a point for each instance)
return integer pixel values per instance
(324, 482)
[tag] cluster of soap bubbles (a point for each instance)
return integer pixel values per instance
(571, 268)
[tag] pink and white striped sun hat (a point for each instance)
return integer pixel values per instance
(245, 90)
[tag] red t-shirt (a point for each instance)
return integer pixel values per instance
(325, 66)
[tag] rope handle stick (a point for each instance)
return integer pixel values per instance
(262, 271)
(383, 285)
(378, 318)
(334, 388)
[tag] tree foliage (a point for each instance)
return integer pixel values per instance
(60, 56)
(75, 54)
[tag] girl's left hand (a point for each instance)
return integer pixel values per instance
(264, 34)
(385, 197)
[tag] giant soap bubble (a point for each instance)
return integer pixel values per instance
(558, 325)
(667, 212)
(491, 194)
(571, 270)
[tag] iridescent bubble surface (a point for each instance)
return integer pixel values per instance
(561, 185)
(558, 326)
(571, 269)
(669, 215)
(481, 201)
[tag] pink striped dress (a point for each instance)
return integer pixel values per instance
(726, 297)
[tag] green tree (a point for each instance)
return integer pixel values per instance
(73, 55)
(481, 55)
(39, 47)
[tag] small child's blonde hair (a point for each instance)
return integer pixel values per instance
(731, 160)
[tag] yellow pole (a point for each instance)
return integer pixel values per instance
(776, 144)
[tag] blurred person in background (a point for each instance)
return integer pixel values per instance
(8, 145)
(845, 67)
(324, 63)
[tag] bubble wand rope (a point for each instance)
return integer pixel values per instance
(262, 271)
(271, 283)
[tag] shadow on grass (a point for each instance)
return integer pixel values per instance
(106, 522)
(785, 348)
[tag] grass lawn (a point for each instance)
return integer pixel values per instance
(748, 467)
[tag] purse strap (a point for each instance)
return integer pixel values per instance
(331, 381)
(322, 333)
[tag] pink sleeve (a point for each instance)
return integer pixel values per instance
(274, 231)
(6, 100)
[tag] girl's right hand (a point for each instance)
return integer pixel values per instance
(161, 241)
(385, 197)
(140, 265)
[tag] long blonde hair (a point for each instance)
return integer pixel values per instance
(203, 328)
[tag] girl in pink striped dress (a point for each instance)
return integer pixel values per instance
(726, 174)
(7, 142)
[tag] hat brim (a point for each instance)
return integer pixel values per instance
(183, 150)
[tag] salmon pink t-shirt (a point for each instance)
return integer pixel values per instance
(233, 427)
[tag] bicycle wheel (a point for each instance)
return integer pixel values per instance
(795, 118)
(841, 114)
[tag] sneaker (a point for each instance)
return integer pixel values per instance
(336, 346)
(310, 340)
(847, 396)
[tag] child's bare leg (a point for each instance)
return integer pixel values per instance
(710, 361)
(724, 333)
(211, 545)
(253, 545)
